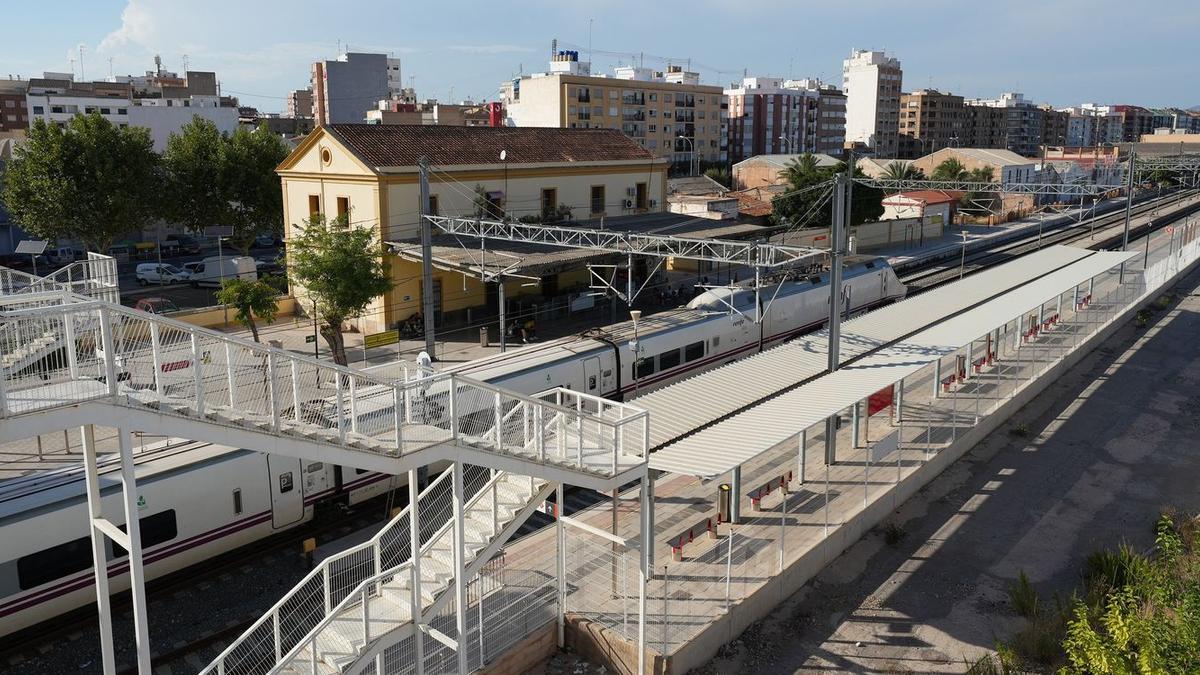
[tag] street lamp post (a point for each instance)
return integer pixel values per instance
(786, 140)
(692, 145)
(504, 159)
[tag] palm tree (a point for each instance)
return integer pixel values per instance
(800, 170)
(981, 175)
(950, 170)
(898, 170)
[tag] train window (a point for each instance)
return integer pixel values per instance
(237, 502)
(668, 360)
(285, 482)
(645, 367)
(315, 467)
(693, 351)
(53, 563)
(156, 529)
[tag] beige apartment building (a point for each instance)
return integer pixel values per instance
(669, 113)
(929, 121)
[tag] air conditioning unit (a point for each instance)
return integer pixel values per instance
(631, 191)
(629, 203)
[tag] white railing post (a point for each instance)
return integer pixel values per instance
(312, 654)
(398, 416)
(232, 383)
(579, 441)
(366, 616)
(328, 588)
(616, 439)
(540, 431)
(496, 426)
(278, 643)
(155, 348)
(295, 392)
(72, 349)
(453, 407)
(197, 379)
(272, 390)
(110, 354)
(495, 509)
(414, 536)
(341, 407)
(353, 404)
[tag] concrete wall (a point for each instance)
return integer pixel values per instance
(218, 317)
(748, 175)
(355, 86)
(162, 121)
(884, 233)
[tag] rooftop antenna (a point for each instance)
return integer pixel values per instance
(185, 64)
(110, 70)
(71, 58)
(590, 40)
(81, 76)
(339, 47)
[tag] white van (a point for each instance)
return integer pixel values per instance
(212, 271)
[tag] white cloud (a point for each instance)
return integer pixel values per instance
(137, 28)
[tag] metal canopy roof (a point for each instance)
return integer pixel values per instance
(718, 449)
(687, 405)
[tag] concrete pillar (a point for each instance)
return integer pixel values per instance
(900, 400)
(937, 377)
(137, 575)
(99, 558)
(855, 421)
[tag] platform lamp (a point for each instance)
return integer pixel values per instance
(504, 158)
(634, 347)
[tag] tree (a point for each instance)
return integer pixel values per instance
(976, 199)
(805, 202)
(898, 170)
(250, 299)
(950, 170)
(342, 270)
(89, 181)
(193, 168)
(251, 186)
(217, 179)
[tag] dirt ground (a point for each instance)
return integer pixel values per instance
(1105, 450)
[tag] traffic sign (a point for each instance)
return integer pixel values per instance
(309, 339)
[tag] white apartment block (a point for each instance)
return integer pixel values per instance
(768, 117)
(872, 82)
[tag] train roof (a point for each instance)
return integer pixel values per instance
(23, 495)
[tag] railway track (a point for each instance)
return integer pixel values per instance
(936, 273)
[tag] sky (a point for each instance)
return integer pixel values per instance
(1063, 52)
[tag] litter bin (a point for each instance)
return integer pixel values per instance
(724, 492)
(483, 336)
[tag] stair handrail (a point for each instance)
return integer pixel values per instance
(359, 591)
(272, 614)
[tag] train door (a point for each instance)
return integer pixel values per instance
(591, 376)
(287, 498)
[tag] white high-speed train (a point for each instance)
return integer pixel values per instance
(716, 327)
(195, 501)
(201, 500)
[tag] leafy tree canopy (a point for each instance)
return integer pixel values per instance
(88, 180)
(806, 205)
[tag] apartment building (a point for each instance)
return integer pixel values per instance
(300, 104)
(872, 83)
(669, 113)
(929, 121)
(1016, 124)
(14, 115)
(344, 89)
(432, 112)
(829, 137)
(160, 102)
(768, 117)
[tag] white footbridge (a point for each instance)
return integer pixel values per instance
(73, 357)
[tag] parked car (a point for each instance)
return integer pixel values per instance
(160, 273)
(65, 254)
(213, 271)
(267, 266)
(265, 241)
(182, 243)
(156, 305)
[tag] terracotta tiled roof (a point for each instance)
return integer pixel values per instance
(381, 145)
(930, 196)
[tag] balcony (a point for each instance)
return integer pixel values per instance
(634, 116)
(584, 97)
(634, 99)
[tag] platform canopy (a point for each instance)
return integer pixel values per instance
(742, 437)
(691, 404)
